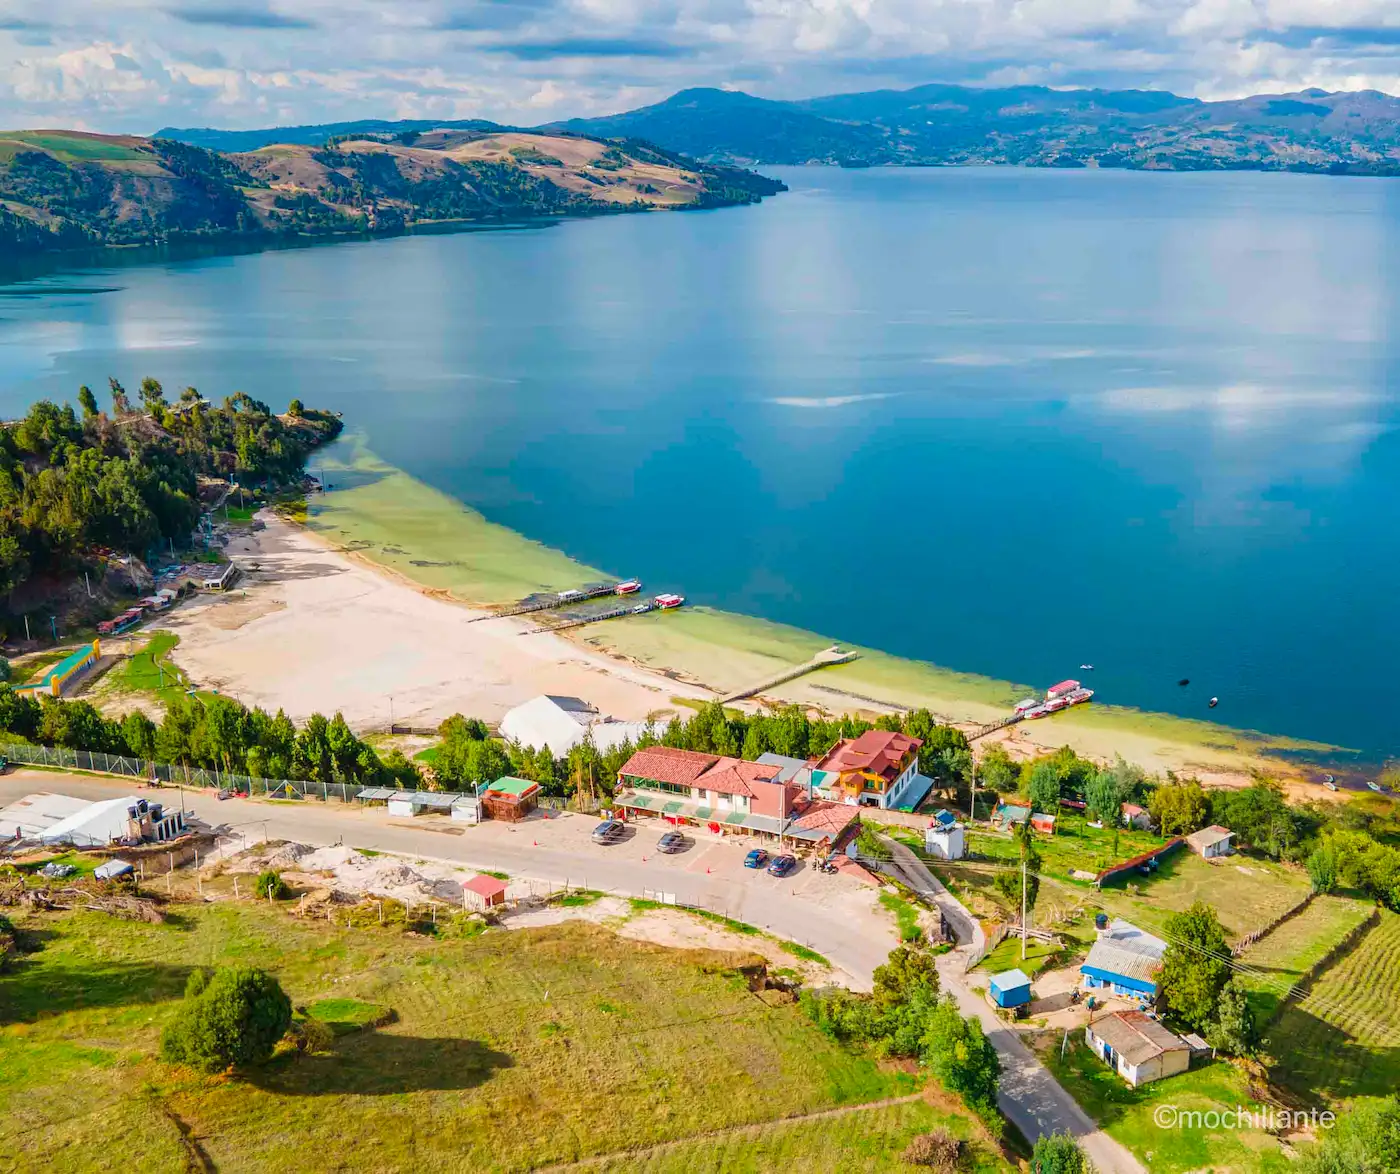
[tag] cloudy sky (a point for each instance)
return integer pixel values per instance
(136, 65)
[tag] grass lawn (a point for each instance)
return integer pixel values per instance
(1247, 892)
(1074, 846)
(509, 1050)
(1007, 956)
(1127, 1113)
(868, 1140)
(906, 916)
(1286, 954)
(35, 666)
(1343, 1039)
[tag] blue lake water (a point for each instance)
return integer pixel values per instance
(1006, 421)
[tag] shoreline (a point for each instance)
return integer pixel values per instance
(423, 539)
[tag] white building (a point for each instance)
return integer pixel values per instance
(32, 816)
(1211, 842)
(1137, 1047)
(129, 818)
(561, 723)
(945, 837)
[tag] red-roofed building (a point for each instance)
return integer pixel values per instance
(879, 769)
(725, 794)
(483, 892)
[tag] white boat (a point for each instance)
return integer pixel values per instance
(667, 601)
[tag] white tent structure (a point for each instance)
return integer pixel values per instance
(561, 723)
(32, 816)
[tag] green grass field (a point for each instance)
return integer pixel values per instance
(1075, 846)
(1343, 1039)
(1007, 956)
(1126, 1113)
(1247, 892)
(73, 147)
(1288, 952)
(867, 1140)
(509, 1051)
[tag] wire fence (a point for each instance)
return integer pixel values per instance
(189, 776)
(222, 780)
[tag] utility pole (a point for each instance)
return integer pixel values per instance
(1023, 908)
(972, 805)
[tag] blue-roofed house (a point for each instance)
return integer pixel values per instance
(1124, 961)
(1010, 988)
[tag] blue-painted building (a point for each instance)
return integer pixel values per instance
(1010, 988)
(1124, 961)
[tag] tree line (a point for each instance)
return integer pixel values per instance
(127, 479)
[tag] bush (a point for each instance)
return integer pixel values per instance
(312, 1035)
(271, 880)
(1058, 1153)
(233, 1019)
(938, 1150)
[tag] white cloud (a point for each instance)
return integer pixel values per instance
(137, 64)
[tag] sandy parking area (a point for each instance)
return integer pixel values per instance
(311, 629)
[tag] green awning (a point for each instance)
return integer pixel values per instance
(672, 807)
(736, 817)
(703, 812)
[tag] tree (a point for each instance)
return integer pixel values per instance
(1322, 868)
(1058, 1153)
(121, 403)
(1365, 1140)
(271, 884)
(233, 1020)
(1103, 799)
(1195, 967)
(153, 397)
(1233, 1030)
(1179, 807)
(1044, 787)
(958, 1052)
(140, 734)
(1008, 881)
(295, 409)
(997, 771)
(88, 402)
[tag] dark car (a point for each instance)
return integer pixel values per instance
(671, 842)
(608, 831)
(757, 858)
(782, 865)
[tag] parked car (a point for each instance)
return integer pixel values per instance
(671, 842)
(782, 865)
(756, 858)
(608, 831)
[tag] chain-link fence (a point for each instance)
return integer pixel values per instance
(189, 776)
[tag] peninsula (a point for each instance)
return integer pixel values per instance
(70, 190)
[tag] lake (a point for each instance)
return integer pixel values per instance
(1007, 421)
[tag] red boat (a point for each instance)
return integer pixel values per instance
(668, 601)
(628, 587)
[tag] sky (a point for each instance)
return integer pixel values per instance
(134, 66)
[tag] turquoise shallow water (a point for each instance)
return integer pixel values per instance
(1006, 421)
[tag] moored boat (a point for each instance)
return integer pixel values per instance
(628, 587)
(667, 601)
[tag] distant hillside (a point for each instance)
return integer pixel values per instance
(313, 136)
(1346, 133)
(65, 189)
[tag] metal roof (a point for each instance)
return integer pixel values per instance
(1009, 980)
(372, 793)
(1135, 1036)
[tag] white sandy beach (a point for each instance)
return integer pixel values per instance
(314, 629)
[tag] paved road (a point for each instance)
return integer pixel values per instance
(1029, 1095)
(835, 915)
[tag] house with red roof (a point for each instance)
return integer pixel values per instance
(725, 794)
(878, 769)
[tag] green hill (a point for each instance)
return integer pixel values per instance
(66, 189)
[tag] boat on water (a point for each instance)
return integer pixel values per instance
(667, 601)
(1374, 786)
(1055, 701)
(1030, 703)
(1062, 689)
(628, 587)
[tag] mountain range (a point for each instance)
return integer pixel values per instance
(1313, 130)
(70, 189)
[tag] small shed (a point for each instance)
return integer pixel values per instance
(947, 841)
(113, 869)
(483, 892)
(1211, 842)
(1043, 822)
(466, 809)
(1010, 988)
(510, 799)
(1136, 817)
(1007, 816)
(402, 804)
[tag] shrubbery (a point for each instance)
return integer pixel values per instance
(271, 885)
(233, 1019)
